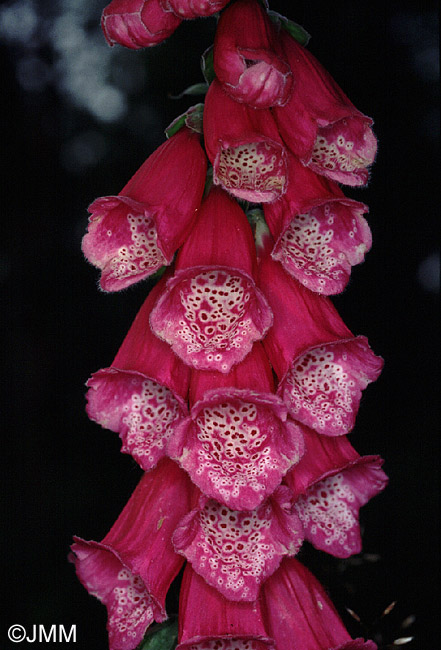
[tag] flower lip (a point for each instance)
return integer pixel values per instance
(122, 241)
(211, 315)
(322, 386)
(253, 169)
(142, 410)
(237, 445)
(240, 548)
(320, 244)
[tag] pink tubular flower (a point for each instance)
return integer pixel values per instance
(333, 482)
(237, 443)
(137, 23)
(208, 621)
(131, 570)
(245, 60)
(320, 125)
(193, 8)
(321, 365)
(319, 233)
(141, 396)
(244, 146)
(299, 615)
(212, 312)
(236, 551)
(130, 236)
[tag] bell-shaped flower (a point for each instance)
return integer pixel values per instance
(212, 312)
(320, 125)
(137, 23)
(237, 443)
(333, 482)
(235, 551)
(142, 395)
(245, 58)
(322, 367)
(299, 615)
(208, 621)
(319, 233)
(132, 235)
(244, 146)
(131, 569)
(193, 8)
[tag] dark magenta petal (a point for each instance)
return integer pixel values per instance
(248, 156)
(122, 241)
(208, 621)
(193, 8)
(323, 386)
(235, 551)
(320, 125)
(130, 236)
(123, 570)
(245, 60)
(329, 510)
(137, 23)
(237, 445)
(299, 615)
(344, 151)
(141, 410)
(211, 316)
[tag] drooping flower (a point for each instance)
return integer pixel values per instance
(299, 615)
(333, 482)
(130, 236)
(131, 569)
(137, 23)
(245, 58)
(208, 621)
(322, 367)
(244, 146)
(142, 395)
(319, 233)
(237, 443)
(212, 312)
(193, 8)
(235, 551)
(320, 125)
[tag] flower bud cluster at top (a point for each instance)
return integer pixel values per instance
(238, 383)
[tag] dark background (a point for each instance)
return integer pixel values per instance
(79, 118)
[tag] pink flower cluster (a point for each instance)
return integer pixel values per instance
(238, 383)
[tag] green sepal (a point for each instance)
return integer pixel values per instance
(192, 118)
(298, 32)
(161, 637)
(207, 65)
(195, 89)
